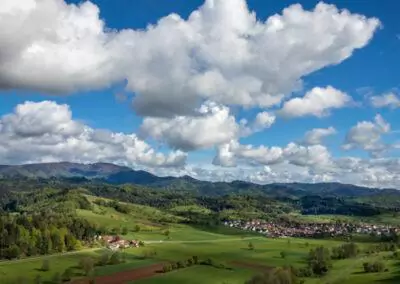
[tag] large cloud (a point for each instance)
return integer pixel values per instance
(48, 45)
(221, 52)
(46, 132)
(212, 125)
(228, 155)
(367, 135)
(317, 102)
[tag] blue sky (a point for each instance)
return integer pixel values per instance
(368, 74)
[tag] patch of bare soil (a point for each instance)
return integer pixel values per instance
(126, 276)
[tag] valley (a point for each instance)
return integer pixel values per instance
(187, 237)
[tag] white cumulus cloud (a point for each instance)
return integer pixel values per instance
(229, 155)
(316, 135)
(213, 125)
(316, 102)
(221, 52)
(46, 132)
(367, 135)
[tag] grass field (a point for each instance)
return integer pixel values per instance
(224, 245)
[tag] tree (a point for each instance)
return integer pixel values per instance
(104, 258)
(319, 260)
(45, 265)
(12, 252)
(348, 250)
(115, 258)
(377, 266)
(87, 265)
(166, 233)
(67, 275)
(136, 228)
(124, 231)
(278, 275)
(250, 246)
(283, 254)
(167, 268)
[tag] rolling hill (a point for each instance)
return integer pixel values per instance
(114, 174)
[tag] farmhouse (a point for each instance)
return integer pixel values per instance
(115, 242)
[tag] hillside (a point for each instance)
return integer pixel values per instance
(113, 174)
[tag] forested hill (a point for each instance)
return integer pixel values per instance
(113, 174)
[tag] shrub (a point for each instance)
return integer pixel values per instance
(174, 266)
(195, 259)
(283, 254)
(377, 266)
(104, 258)
(87, 265)
(45, 265)
(276, 275)
(208, 261)
(141, 243)
(250, 246)
(167, 268)
(189, 262)
(180, 264)
(319, 260)
(304, 272)
(115, 258)
(345, 251)
(67, 275)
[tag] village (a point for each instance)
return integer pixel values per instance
(115, 243)
(290, 229)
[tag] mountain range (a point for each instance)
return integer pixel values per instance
(114, 174)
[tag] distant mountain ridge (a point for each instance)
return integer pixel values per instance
(114, 174)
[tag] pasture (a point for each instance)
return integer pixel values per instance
(227, 247)
(167, 242)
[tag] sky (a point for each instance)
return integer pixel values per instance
(261, 91)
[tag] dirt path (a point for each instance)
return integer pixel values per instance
(126, 276)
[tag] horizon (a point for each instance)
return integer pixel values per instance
(198, 179)
(288, 92)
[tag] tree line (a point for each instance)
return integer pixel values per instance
(23, 235)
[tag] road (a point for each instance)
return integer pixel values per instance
(201, 241)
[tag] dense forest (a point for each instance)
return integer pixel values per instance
(42, 233)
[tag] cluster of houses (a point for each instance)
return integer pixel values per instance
(115, 243)
(289, 229)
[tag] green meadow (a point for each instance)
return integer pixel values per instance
(170, 242)
(225, 246)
